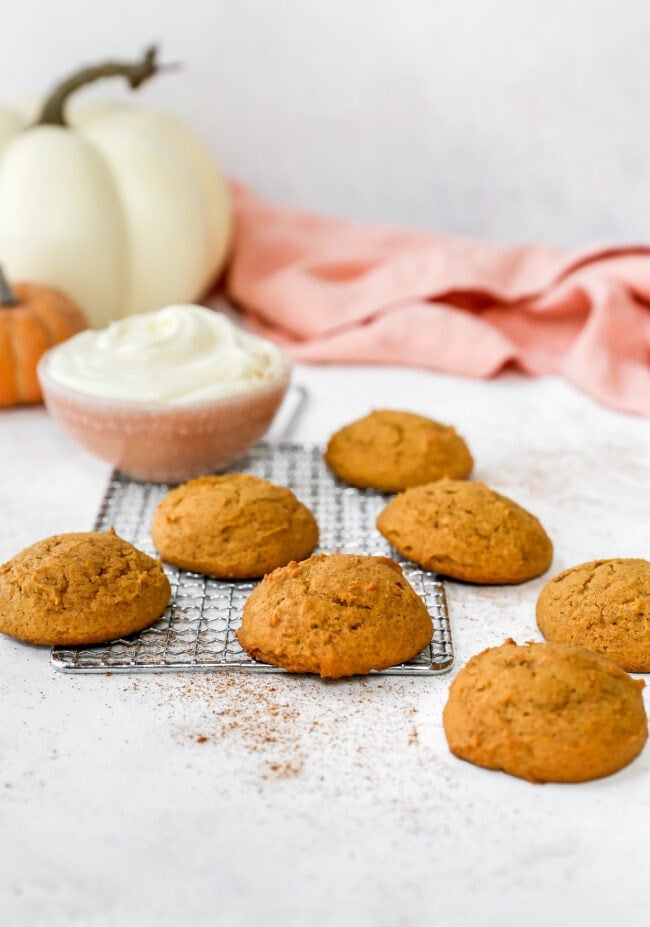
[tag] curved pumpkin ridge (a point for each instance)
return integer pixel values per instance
(43, 318)
(77, 244)
(30, 341)
(8, 393)
(61, 317)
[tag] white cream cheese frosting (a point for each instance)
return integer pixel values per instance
(176, 355)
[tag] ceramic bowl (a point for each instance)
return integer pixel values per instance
(169, 444)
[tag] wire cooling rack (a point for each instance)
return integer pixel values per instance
(197, 631)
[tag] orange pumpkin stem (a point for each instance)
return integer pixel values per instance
(7, 295)
(136, 73)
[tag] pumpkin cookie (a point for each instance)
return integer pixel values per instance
(466, 531)
(391, 451)
(234, 526)
(603, 605)
(82, 588)
(336, 615)
(546, 713)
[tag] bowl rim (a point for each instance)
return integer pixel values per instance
(50, 384)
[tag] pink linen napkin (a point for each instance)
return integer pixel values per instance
(334, 291)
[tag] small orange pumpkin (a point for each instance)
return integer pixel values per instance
(32, 319)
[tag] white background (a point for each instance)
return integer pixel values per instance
(512, 119)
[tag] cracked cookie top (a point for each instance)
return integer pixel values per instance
(603, 605)
(234, 526)
(80, 588)
(466, 531)
(390, 451)
(335, 615)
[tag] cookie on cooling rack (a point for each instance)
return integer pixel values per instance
(335, 615)
(234, 526)
(546, 713)
(390, 450)
(603, 605)
(81, 588)
(466, 531)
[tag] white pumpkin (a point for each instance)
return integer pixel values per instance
(125, 210)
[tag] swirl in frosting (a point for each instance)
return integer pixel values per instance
(176, 355)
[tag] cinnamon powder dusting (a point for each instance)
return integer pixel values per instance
(288, 726)
(243, 711)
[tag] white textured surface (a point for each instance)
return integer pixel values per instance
(289, 801)
(514, 120)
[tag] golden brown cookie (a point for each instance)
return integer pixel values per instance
(466, 531)
(603, 605)
(83, 588)
(234, 526)
(336, 615)
(390, 451)
(546, 713)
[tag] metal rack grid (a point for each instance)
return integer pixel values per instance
(197, 631)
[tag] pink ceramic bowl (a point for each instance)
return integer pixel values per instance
(170, 444)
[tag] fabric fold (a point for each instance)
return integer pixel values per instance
(333, 291)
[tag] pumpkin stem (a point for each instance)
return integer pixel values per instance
(136, 73)
(7, 295)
